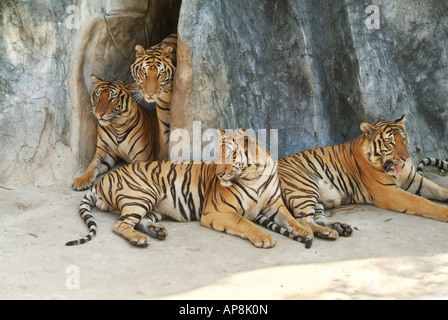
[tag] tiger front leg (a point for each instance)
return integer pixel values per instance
(431, 190)
(124, 227)
(282, 217)
(320, 231)
(402, 201)
(303, 208)
(148, 225)
(414, 183)
(342, 228)
(233, 223)
(101, 163)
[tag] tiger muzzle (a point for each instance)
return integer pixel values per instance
(391, 166)
(151, 85)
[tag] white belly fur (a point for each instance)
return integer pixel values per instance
(329, 196)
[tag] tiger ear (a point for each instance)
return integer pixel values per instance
(368, 129)
(221, 132)
(400, 120)
(169, 53)
(140, 51)
(95, 80)
(167, 50)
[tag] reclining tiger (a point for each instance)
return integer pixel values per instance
(127, 130)
(226, 195)
(374, 168)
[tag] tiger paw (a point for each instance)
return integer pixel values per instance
(305, 233)
(327, 233)
(157, 231)
(343, 229)
(80, 183)
(262, 241)
(139, 241)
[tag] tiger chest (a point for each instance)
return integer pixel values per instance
(128, 144)
(131, 152)
(123, 153)
(252, 206)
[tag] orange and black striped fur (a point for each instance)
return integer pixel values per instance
(153, 72)
(374, 168)
(442, 165)
(224, 195)
(126, 130)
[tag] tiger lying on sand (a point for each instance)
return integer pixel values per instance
(224, 195)
(374, 168)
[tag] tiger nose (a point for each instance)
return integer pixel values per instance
(101, 114)
(219, 174)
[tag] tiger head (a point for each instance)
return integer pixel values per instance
(110, 100)
(153, 70)
(387, 148)
(240, 157)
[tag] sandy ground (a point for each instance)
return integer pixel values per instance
(390, 256)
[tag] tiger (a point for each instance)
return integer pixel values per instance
(442, 165)
(374, 168)
(230, 194)
(153, 72)
(126, 130)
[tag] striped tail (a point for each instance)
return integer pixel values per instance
(271, 225)
(431, 161)
(87, 203)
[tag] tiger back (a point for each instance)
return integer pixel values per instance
(153, 72)
(225, 195)
(126, 130)
(374, 168)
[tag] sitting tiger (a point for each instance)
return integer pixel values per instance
(153, 72)
(126, 130)
(374, 168)
(226, 195)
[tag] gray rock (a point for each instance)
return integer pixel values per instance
(314, 70)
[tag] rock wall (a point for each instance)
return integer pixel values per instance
(313, 70)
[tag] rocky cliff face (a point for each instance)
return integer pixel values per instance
(313, 70)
